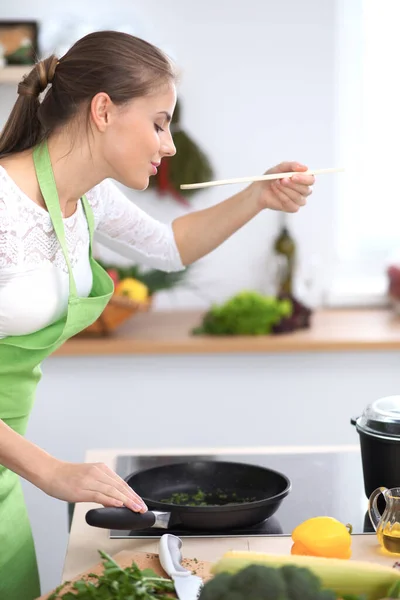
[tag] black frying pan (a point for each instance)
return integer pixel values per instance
(237, 495)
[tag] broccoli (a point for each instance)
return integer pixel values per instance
(252, 584)
(259, 582)
(219, 588)
(302, 583)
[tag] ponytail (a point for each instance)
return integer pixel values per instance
(23, 128)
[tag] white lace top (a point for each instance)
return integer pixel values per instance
(33, 272)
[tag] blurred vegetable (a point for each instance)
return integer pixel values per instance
(132, 289)
(322, 536)
(154, 279)
(349, 579)
(299, 319)
(247, 313)
(259, 582)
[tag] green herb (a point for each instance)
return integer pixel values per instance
(200, 498)
(246, 313)
(116, 583)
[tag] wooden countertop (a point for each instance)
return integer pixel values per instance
(168, 332)
(84, 541)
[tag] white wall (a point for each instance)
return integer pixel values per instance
(257, 88)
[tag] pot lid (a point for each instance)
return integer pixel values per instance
(381, 418)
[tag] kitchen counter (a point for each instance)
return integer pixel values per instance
(84, 540)
(161, 332)
(111, 385)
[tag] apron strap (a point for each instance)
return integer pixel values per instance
(47, 184)
(90, 221)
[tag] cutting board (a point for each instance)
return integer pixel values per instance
(146, 560)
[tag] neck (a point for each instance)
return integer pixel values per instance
(75, 170)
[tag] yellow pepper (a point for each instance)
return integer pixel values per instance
(132, 289)
(322, 536)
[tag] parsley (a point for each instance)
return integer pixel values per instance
(116, 583)
(201, 498)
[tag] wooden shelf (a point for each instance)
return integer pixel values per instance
(169, 333)
(13, 74)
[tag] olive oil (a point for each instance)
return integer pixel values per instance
(389, 538)
(387, 525)
(285, 249)
(391, 543)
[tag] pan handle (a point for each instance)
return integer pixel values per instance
(120, 518)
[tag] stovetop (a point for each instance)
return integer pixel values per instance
(324, 483)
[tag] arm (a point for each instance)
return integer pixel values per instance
(201, 232)
(128, 230)
(66, 481)
(125, 228)
(23, 457)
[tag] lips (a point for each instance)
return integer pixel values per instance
(154, 167)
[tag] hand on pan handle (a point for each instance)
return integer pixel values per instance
(86, 482)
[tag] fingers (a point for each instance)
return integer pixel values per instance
(122, 485)
(288, 205)
(104, 483)
(288, 166)
(305, 180)
(117, 488)
(293, 188)
(99, 498)
(90, 483)
(291, 197)
(114, 496)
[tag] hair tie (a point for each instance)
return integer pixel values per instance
(52, 69)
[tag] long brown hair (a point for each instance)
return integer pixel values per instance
(119, 64)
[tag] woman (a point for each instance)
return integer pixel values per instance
(105, 115)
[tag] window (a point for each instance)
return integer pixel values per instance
(367, 224)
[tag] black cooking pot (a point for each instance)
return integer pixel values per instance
(379, 430)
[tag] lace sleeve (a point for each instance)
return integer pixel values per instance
(125, 228)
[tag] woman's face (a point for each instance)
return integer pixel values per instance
(133, 138)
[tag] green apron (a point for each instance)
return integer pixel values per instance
(20, 372)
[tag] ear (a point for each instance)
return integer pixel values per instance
(100, 110)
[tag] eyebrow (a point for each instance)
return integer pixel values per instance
(167, 115)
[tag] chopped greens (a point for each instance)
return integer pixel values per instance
(201, 498)
(116, 583)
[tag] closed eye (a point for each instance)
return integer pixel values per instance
(158, 128)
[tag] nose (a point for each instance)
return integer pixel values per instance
(168, 147)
